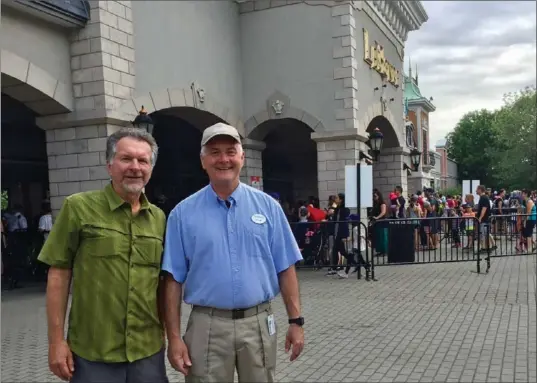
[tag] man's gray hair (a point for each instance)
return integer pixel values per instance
(138, 134)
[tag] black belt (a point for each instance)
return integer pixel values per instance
(235, 313)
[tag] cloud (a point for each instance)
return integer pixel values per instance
(470, 53)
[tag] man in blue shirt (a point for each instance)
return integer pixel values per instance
(229, 249)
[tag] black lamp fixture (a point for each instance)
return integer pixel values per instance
(415, 158)
(375, 142)
(143, 121)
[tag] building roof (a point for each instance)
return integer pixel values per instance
(412, 90)
(413, 94)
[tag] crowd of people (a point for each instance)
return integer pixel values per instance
(325, 239)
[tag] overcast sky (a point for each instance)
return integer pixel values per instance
(469, 54)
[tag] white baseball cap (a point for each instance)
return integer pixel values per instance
(220, 129)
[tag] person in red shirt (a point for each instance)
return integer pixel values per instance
(420, 198)
(315, 213)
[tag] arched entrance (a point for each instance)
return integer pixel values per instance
(289, 160)
(178, 172)
(24, 159)
(388, 170)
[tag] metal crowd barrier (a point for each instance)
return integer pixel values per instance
(411, 241)
(319, 246)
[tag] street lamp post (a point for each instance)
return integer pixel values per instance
(415, 158)
(375, 142)
(143, 121)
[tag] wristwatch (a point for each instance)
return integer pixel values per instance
(298, 321)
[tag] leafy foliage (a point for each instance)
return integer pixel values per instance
(516, 123)
(4, 200)
(472, 145)
(499, 148)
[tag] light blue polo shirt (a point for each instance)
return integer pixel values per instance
(229, 258)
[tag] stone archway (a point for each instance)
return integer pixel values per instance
(165, 99)
(178, 172)
(282, 153)
(391, 140)
(180, 116)
(25, 166)
(36, 88)
(380, 112)
(389, 170)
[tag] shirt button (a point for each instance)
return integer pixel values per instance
(132, 288)
(128, 334)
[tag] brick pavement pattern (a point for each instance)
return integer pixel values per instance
(420, 323)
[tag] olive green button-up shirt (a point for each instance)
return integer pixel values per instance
(115, 257)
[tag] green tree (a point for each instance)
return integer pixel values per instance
(473, 144)
(4, 200)
(516, 161)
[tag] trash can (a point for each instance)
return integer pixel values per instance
(401, 241)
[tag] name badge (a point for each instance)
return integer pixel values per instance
(259, 219)
(271, 323)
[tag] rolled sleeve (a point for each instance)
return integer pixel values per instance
(283, 246)
(174, 259)
(62, 243)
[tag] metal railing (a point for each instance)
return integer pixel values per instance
(410, 241)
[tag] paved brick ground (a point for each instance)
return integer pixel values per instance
(417, 323)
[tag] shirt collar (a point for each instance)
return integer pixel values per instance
(115, 201)
(236, 195)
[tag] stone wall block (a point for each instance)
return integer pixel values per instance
(91, 185)
(64, 134)
(76, 146)
(66, 161)
(78, 174)
(101, 52)
(394, 166)
(53, 189)
(97, 144)
(68, 188)
(386, 158)
(336, 185)
(58, 175)
(326, 155)
(98, 173)
(335, 165)
(335, 145)
(327, 175)
(89, 159)
(56, 148)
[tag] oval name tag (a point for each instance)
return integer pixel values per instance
(259, 219)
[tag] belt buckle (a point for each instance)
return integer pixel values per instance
(237, 314)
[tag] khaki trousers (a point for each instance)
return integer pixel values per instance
(218, 345)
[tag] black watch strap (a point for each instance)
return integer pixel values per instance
(298, 321)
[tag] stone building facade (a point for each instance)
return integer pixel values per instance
(305, 82)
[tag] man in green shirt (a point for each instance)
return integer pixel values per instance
(110, 241)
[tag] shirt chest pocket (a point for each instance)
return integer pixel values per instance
(147, 250)
(101, 241)
(256, 238)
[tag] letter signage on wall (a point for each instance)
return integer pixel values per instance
(374, 56)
